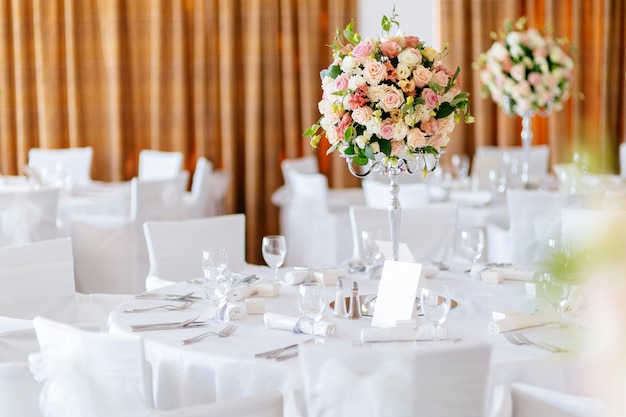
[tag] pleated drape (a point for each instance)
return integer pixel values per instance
(592, 122)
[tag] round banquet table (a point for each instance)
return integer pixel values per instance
(221, 368)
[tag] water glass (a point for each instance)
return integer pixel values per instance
(556, 292)
(274, 248)
(216, 279)
(472, 243)
(435, 304)
(311, 302)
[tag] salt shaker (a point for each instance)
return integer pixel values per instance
(355, 303)
(340, 302)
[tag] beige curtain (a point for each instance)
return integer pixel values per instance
(593, 119)
(234, 80)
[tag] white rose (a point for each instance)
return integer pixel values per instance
(498, 52)
(375, 93)
(360, 141)
(402, 71)
(348, 63)
(518, 72)
(422, 113)
(362, 115)
(410, 57)
(355, 81)
(399, 131)
(373, 125)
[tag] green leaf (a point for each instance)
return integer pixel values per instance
(311, 130)
(385, 147)
(453, 80)
(444, 110)
(334, 71)
(407, 108)
(349, 133)
(385, 23)
(332, 149)
(459, 98)
(360, 160)
(369, 152)
(315, 140)
(349, 150)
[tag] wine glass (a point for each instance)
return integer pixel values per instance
(460, 165)
(435, 304)
(311, 302)
(216, 279)
(560, 250)
(274, 249)
(472, 244)
(556, 291)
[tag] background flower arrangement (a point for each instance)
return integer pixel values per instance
(526, 71)
(389, 97)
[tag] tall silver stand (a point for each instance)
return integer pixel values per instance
(527, 140)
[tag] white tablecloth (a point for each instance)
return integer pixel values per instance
(217, 369)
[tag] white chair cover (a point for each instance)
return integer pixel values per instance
(487, 158)
(38, 279)
(110, 251)
(534, 216)
(429, 231)
(208, 188)
(532, 401)
(622, 159)
(28, 215)
(175, 247)
(19, 392)
(158, 165)
(104, 375)
(74, 162)
(411, 195)
(447, 381)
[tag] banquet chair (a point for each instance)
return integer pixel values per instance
(159, 165)
(442, 381)
(111, 255)
(622, 159)
(497, 158)
(37, 279)
(74, 163)
(19, 392)
(208, 188)
(533, 401)
(28, 215)
(534, 216)
(411, 195)
(175, 247)
(104, 375)
(429, 231)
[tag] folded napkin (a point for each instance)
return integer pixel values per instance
(241, 292)
(232, 311)
(496, 274)
(327, 276)
(296, 277)
(396, 334)
(522, 321)
(515, 274)
(271, 289)
(255, 305)
(297, 325)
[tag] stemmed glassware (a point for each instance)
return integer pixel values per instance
(311, 303)
(556, 291)
(274, 248)
(216, 279)
(435, 304)
(472, 244)
(560, 250)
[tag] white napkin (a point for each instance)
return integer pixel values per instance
(429, 270)
(515, 274)
(327, 276)
(233, 312)
(295, 324)
(255, 305)
(241, 292)
(397, 334)
(296, 277)
(522, 321)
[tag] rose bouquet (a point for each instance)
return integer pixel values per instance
(525, 71)
(389, 98)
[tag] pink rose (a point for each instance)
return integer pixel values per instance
(386, 130)
(363, 50)
(441, 78)
(534, 78)
(397, 147)
(341, 82)
(411, 41)
(415, 138)
(392, 99)
(390, 48)
(430, 98)
(422, 76)
(430, 126)
(374, 72)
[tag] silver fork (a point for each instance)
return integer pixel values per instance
(522, 338)
(170, 307)
(226, 331)
(514, 340)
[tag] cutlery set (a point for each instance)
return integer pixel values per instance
(520, 339)
(167, 297)
(192, 322)
(169, 307)
(282, 353)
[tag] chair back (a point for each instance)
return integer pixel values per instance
(28, 216)
(303, 165)
(622, 159)
(532, 401)
(429, 231)
(175, 247)
(90, 373)
(198, 198)
(19, 392)
(38, 279)
(411, 195)
(497, 158)
(447, 381)
(54, 163)
(158, 199)
(158, 165)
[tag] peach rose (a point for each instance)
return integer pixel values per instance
(411, 41)
(362, 115)
(441, 78)
(397, 147)
(415, 138)
(430, 126)
(374, 72)
(391, 99)
(422, 76)
(390, 48)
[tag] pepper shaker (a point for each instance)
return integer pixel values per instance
(355, 303)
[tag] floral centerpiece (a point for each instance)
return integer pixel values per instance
(388, 98)
(526, 71)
